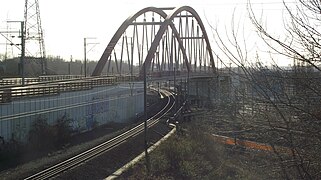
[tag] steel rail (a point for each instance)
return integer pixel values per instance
(108, 145)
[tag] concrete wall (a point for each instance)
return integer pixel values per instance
(117, 103)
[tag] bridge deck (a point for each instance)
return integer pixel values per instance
(11, 89)
(54, 86)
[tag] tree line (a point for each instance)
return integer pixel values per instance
(55, 66)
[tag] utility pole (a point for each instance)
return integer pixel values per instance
(22, 54)
(145, 121)
(85, 57)
(175, 88)
(188, 79)
(85, 53)
(6, 54)
(69, 65)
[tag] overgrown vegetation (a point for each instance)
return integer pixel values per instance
(8, 151)
(43, 138)
(192, 154)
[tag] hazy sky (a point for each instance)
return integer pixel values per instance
(67, 22)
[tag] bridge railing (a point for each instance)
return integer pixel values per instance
(102, 81)
(59, 77)
(16, 81)
(49, 78)
(179, 73)
(12, 93)
(7, 95)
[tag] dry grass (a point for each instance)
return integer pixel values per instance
(192, 154)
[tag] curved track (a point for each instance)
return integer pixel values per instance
(108, 145)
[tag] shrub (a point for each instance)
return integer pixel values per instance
(181, 158)
(41, 135)
(62, 131)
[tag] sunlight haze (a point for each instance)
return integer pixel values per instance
(66, 23)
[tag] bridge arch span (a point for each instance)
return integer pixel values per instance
(111, 45)
(169, 22)
(177, 43)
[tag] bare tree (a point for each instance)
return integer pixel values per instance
(296, 104)
(302, 25)
(285, 103)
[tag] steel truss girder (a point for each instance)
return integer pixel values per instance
(192, 38)
(167, 23)
(146, 23)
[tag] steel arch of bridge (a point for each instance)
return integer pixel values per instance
(185, 48)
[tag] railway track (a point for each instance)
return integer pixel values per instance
(108, 145)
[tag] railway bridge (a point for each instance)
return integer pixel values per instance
(160, 47)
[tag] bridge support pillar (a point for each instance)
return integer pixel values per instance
(202, 91)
